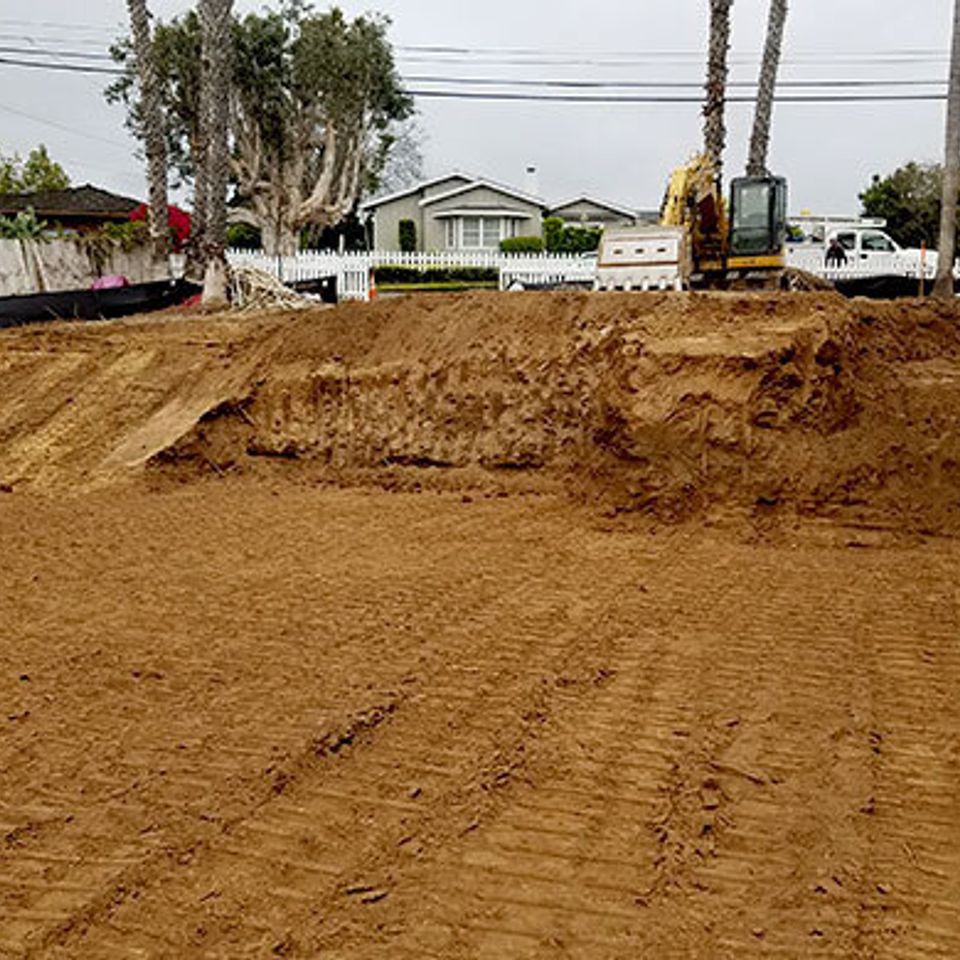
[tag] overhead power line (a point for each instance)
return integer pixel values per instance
(34, 41)
(605, 98)
(62, 126)
(56, 24)
(67, 67)
(631, 54)
(47, 52)
(51, 55)
(636, 64)
(664, 84)
(88, 32)
(589, 98)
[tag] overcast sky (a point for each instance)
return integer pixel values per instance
(621, 152)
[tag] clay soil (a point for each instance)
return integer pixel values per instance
(483, 627)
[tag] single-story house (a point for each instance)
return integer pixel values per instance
(587, 211)
(84, 209)
(455, 212)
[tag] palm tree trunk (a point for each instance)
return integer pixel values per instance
(951, 173)
(215, 19)
(760, 139)
(155, 141)
(714, 127)
(198, 224)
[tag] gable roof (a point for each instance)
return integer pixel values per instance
(375, 202)
(602, 204)
(488, 185)
(86, 200)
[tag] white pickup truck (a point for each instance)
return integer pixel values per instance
(868, 251)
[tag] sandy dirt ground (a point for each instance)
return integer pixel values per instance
(267, 690)
(247, 720)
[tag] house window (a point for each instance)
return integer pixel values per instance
(480, 233)
(471, 232)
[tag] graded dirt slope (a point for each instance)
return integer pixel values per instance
(85, 404)
(244, 719)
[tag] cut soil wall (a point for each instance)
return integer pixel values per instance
(663, 404)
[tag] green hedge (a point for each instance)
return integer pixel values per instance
(522, 245)
(389, 274)
(580, 239)
(408, 236)
(553, 234)
(24, 226)
(558, 237)
(243, 236)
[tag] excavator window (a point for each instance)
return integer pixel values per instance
(758, 212)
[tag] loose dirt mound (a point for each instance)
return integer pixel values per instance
(655, 403)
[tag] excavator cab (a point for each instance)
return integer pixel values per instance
(758, 217)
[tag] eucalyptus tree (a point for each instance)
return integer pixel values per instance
(215, 96)
(316, 108)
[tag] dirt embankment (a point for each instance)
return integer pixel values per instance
(658, 403)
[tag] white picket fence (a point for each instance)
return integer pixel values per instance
(353, 270)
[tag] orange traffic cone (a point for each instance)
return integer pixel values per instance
(373, 285)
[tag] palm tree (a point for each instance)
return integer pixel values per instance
(951, 173)
(215, 19)
(714, 127)
(154, 128)
(760, 139)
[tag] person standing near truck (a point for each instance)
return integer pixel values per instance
(836, 255)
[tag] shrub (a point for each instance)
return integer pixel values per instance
(408, 236)
(553, 234)
(560, 238)
(128, 234)
(522, 245)
(178, 221)
(243, 236)
(24, 226)
(580, 239)
(389, 274)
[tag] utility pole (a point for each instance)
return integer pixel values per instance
(951, 172)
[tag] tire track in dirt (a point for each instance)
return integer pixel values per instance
(915, 755)
(524, 770)
(573, 859)
(753, 807)
(126, 803)
(256, 856)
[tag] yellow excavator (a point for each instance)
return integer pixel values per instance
(701, 242)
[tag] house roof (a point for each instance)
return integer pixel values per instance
(488, 185)
(86, 200)
(423, 185)
(473, 182)
(602, 204)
